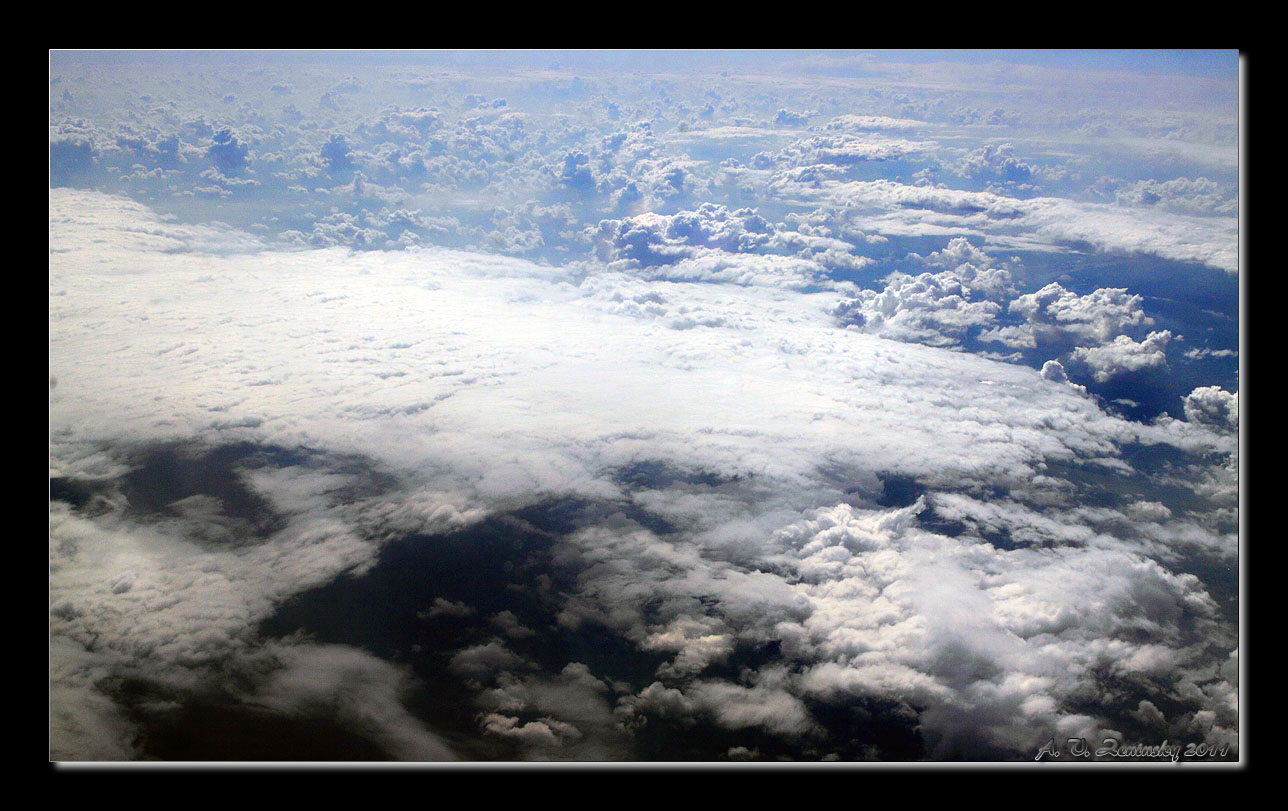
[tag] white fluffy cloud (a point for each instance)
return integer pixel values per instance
(1212, 405)
(1123, 355)
(928, 308)
(933, 308)
(1034, 223)
(839, 150)
(1198, 196)
(1061, 318)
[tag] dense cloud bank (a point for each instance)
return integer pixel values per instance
(716, 514)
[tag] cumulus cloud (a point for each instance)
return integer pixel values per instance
(1212, 405)
(929, 308)
(933, 308)
(1054, 370)
(715, 244)
(1123, 355)
(657, 239)
(996, 162)
(872, 122)
(571, 714)
(1056, 316)
(994, 648)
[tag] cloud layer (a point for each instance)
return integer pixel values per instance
(377, 395)
(641, 405)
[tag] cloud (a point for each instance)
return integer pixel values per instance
(362, 693)
(860, 123)
(995, 639)
(1123, 355)
(993, 643)
(484, 661)
(930, 308)
(336, 154)
(657, 239)
(996, 162)
(227, 153)
(1199, 196)
(1212, 405)
(1054, 370)
(738, 707)
(790, 119)
(753, 489)
(1046, 222)
(933, 308)
(457, 378)
(841, 149)
(446, 608)
(1059, 317)
(715, 244)
(572, 717)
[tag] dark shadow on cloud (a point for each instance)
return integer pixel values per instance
(1155, 466)
(1220, 576)
(1140, 710)
(219, 727)
(429, 597)
(931, 521)
(657, 475)
(86, 496)
(499, 566)
(207, 487)
(169, 474)
(1139, 395)
(899, 490)
(227, 153)
(508, 582)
